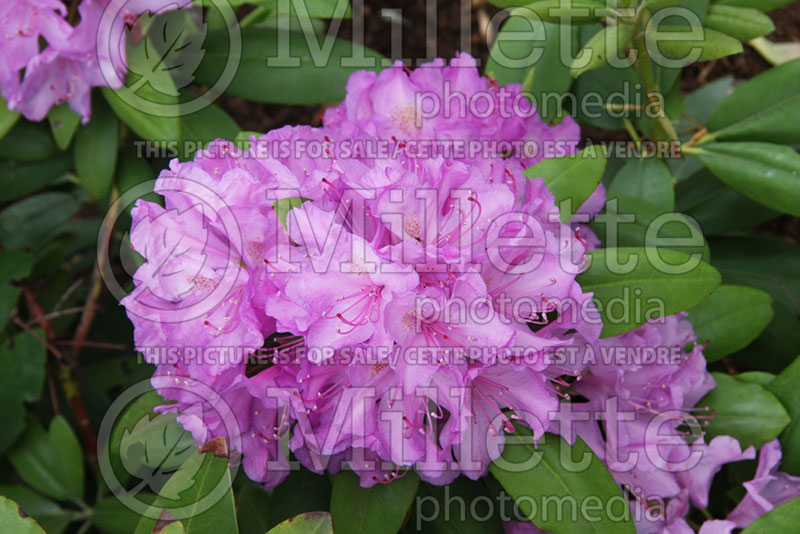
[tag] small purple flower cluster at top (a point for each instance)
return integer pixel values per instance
(365, 242)
(90, 53)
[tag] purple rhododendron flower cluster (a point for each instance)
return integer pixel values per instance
(394, 312)
(77, 57)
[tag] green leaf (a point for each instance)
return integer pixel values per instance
(52, 518)
(647, 179)
(268, 74)
(631, 222)
(14, 265)
(762, 5)
(12, 520)
(605, 85)
(63, 123)
(756, 377)
(379, 509)
(201, 127)
(308, 523)
(765, 263)
(777, 346)
(28, 222)
(718, 208)
(95, 151)
(571, 179)
(769, 174)
(658, 293)
(28, 141)
(8, 118)
(316, 491)
(579, 11)
(690, 46)
(441, 511)
(242, 139)
(69, 455)
(610, 42)
(762, 109)
(39, 462)
(739, 22)
(21, 178)
(186, 496)
(141, 118)
(730, 319)
(551, 476)
(748, 412)
(783, 518)
(21, 378)
(113, 517)
(786, 387)
(543, 78)
(252, 507)
(148, 445)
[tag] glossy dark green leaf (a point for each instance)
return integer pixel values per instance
(29, 221)
(307, 523)
(252, 508)
(595, 89)
(22, 371)
(69, 455)
(63, 123)
(718, 208)
(21, 178)
(113, 517)
(762, 109)
(631, 222)
(446, 509)
(12, 520)
(730, 319)
(512, 59)
(643, 282)
(786, 387)
(548, 475)
(739, 22)
(783, 518)
(748, 412)
(682, 45)
(571, 179)
(380, 509)
(755, 377)
(579, 11)
(201, 127)
(608, 43)
(145, 119)
(767, 173)
(199, 494)
(311, 81)
(284, 504)
(762, 5)
(28, 141)
(38, 460)
(647, 179)
(95, 151)
(765, 263)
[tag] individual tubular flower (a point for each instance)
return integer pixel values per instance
(768, 489)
